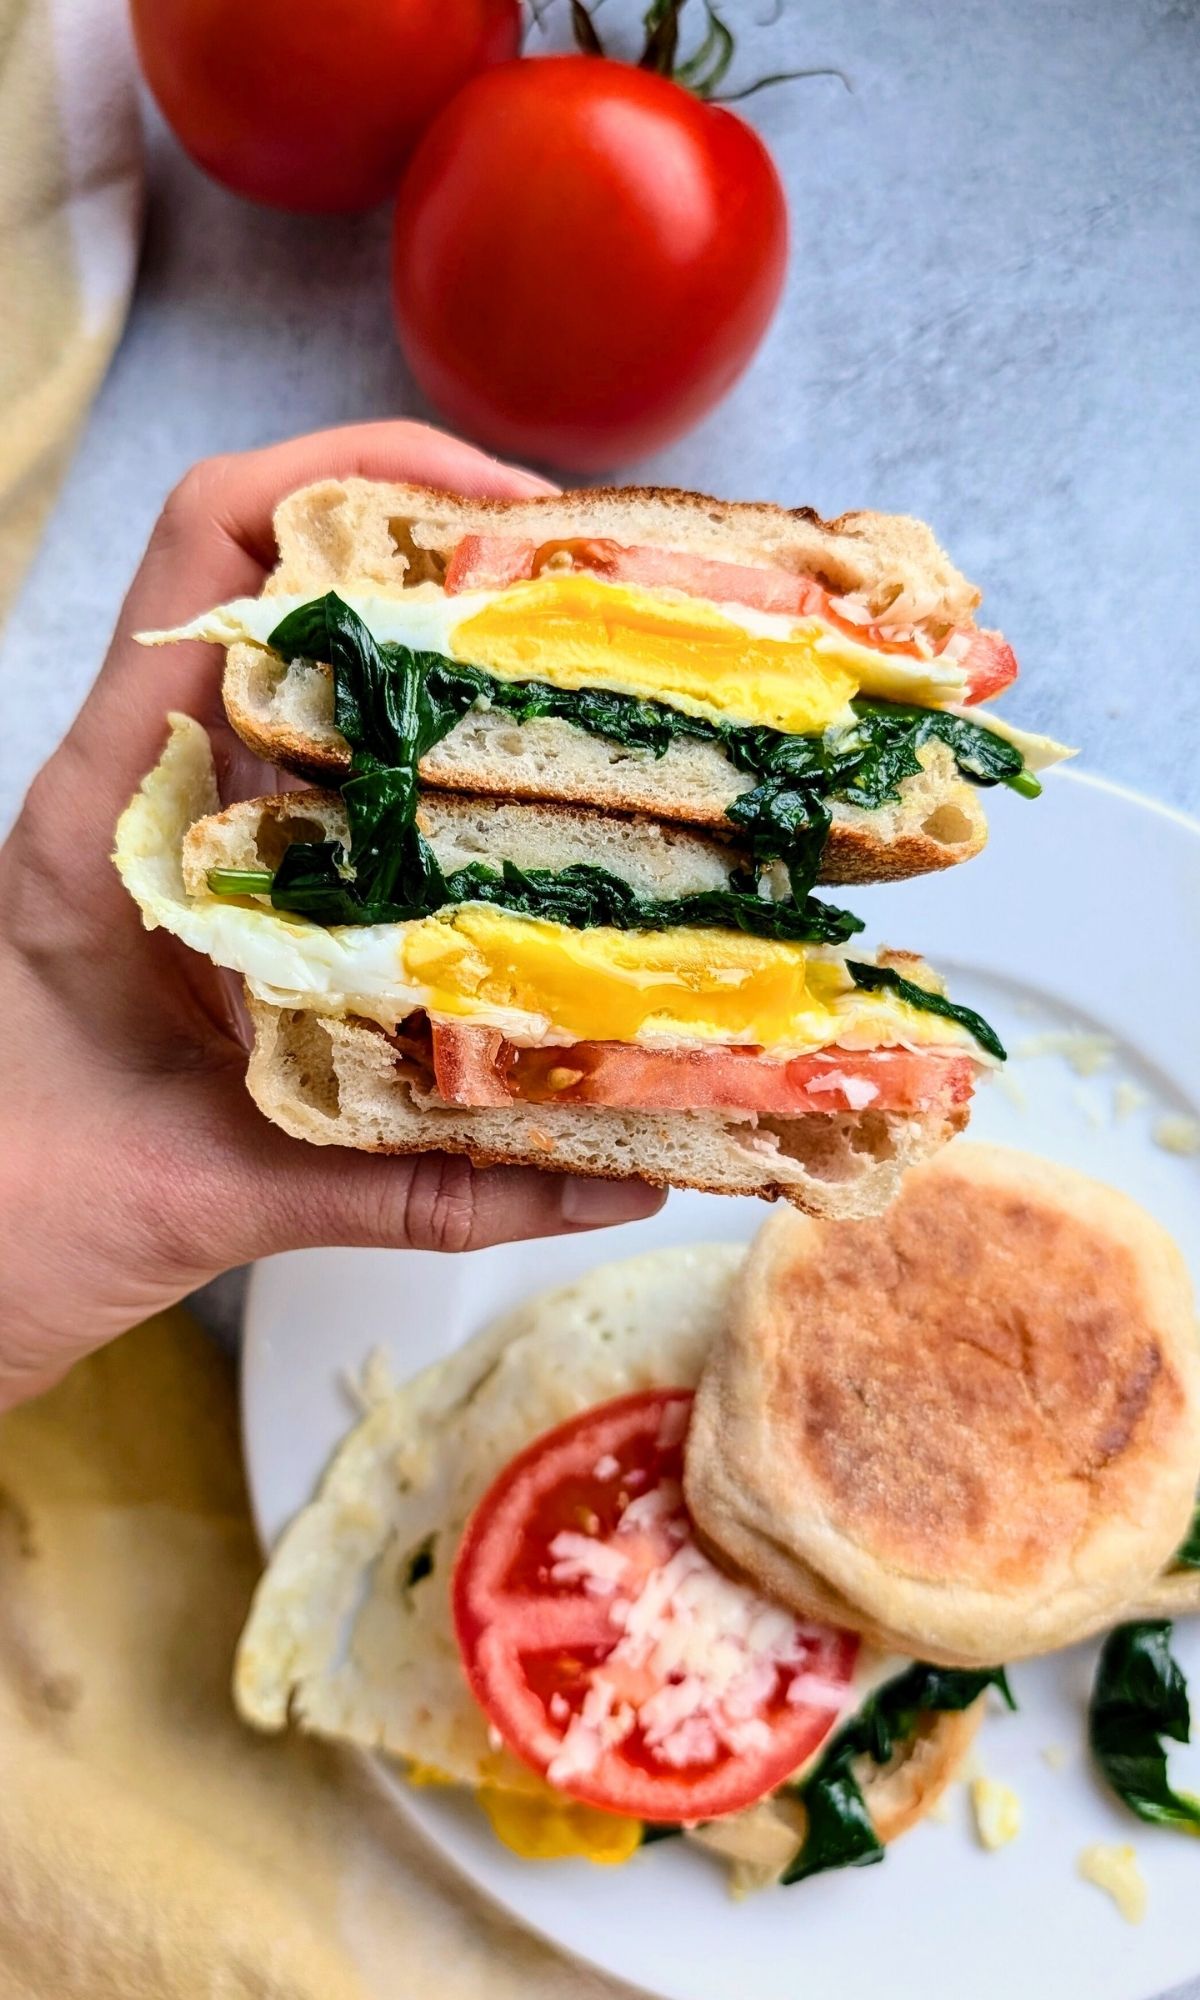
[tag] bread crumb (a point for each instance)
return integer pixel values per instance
(1177, 1135)
(1085, 1050)
(1127, 1098)
(1116, 1871)
(997, 1812)
(1055, 1755)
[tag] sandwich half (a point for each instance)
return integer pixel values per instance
(586, 992)
(813, 686)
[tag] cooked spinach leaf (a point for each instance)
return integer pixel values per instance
(655, 1830)
(874, 977)
(392, 705)
(1139, 1697)
(1187, 1555)
(785, 816)
(840, 1831)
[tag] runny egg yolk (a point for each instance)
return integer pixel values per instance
(575, 632)
(610, 985)
(553, 1828)
(619, 986)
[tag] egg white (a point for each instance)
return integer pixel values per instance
(425, 619)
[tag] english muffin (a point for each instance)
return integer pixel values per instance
(969, 1429)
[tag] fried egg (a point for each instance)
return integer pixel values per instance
(722, 662)
(539, 983)
(341, 1642)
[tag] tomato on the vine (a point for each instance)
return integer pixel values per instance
(586, 257)
(309, 105)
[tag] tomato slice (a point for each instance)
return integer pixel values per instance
(488, 562)
(476, 1066)
(989, 664)
(610, 1653)
(492, 562)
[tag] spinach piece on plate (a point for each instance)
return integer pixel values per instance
(840, 1832)
(1139, 1697)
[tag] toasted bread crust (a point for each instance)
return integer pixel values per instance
(340, 1082)
(338, 527)
(762, 1841)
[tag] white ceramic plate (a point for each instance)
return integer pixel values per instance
(1083, 912)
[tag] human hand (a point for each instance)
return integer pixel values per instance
(133, 1165)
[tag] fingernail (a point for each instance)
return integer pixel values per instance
(596, 1204)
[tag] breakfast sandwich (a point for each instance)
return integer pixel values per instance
(972, 1427)
(498, 1587)
(817, 686)
(544, 1570)
(582, 991)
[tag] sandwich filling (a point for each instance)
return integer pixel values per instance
(570, 986)
(804, 693)
(734, 1016)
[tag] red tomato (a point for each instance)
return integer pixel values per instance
(313, 104)
(586, 257)
(989, 664)
(476, 1066)
(606, 1648)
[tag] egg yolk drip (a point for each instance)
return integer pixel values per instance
(622, 986)
(575, 632)
(557, 1829)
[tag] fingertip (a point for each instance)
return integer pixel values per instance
(601, 1204)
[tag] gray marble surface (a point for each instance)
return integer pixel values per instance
(990, 321)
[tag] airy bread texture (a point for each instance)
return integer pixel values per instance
(343, 1082)
(970, 1431)
(655, 860)
(355, 530)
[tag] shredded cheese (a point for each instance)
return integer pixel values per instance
(697, 1657)
(1116, 1871)
(997, 1812)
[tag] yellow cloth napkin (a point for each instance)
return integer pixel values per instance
(150, 1847)
(70, 212)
